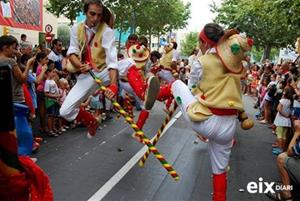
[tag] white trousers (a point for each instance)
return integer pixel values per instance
(126, 87)
(166, 76)
(218, 129)
(84, 87)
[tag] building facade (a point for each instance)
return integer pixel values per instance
(15, 23)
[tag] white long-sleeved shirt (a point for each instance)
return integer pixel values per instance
(197, 70)
(108, 43)
(175, 56)
(124, 65)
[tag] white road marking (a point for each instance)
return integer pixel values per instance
(114, 180)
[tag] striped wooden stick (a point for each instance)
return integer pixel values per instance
(127, 106)
(139, 132)
(159, 132)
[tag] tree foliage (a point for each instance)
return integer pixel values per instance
(67, 8)
(189, 43)
(149, 17)
(160, 17)
(257, 54)
(63, 33)
(272, 23)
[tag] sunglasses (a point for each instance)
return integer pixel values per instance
(91, 13)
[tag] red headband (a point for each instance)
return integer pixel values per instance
(203, 37)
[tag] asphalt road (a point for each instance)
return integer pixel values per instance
(105, 166)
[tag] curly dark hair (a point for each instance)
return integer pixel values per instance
(87, 4)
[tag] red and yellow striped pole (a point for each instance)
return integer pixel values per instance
(127, 106)
(139, 132)
(158, 134)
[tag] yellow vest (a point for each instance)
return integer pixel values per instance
(166, 60)
(217, 88)
(98, 52)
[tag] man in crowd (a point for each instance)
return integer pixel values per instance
(169, 62)
(26, 48)
(56, 53)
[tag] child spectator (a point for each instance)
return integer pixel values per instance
(40, 64)
(253, 86)
(52, 96)
(268, 99)
(63, 91)
(262, 90)
(277, 96)
(282, 120)
(96, 105)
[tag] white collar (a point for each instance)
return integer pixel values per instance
(93, 29)
(211, 50)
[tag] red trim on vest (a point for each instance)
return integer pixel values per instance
(223, 112)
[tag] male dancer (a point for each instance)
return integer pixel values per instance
(214, 110)
(168, 63)
(95, 40)
(131, 72)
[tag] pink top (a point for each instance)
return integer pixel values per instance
(263, 91)
(40, 87)
(64, 93)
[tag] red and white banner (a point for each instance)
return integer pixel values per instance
(26, 14)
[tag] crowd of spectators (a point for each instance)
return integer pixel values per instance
(276, 89)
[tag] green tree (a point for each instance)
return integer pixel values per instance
(160, 17)
(189, 43)
(67, 8)
(63, 33)
(258, 53)
(123, 11)
(272, 24)
(148, 17)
